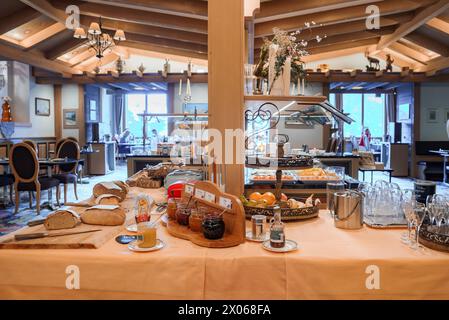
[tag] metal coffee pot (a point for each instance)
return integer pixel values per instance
(348, 206)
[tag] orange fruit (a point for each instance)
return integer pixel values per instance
(270, 197)
(256, 196)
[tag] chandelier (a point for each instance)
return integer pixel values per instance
(97, 39)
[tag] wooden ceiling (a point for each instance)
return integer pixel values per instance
(414, 32)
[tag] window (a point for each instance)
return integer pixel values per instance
(367, 110)
(146, 103)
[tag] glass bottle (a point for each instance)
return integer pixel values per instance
(277, 235)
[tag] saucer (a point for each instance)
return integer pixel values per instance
(132, 228)
(290, 246)
(135, 247)
(249, 237)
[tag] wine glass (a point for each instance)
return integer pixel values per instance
(408, 204)
(419, 214)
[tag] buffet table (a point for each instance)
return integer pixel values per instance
(330, 264)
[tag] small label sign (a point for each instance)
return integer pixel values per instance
(210, 197)
(200, 194)
(226, 203)
(189, 189)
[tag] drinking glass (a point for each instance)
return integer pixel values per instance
(408, 205)
(331, 189)
(419, 213)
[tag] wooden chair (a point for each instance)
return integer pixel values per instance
(67, 173)
(7, 180)
(32, 144)
(25, 167)
(58, 146)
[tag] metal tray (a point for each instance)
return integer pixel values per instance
(385, 222)
(286, 213)
(433, 239)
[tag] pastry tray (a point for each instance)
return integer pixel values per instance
(286, 213)
(385, 222)
(433, 239)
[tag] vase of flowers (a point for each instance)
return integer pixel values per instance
(281, 60)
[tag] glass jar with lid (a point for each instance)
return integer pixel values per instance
(213, 227)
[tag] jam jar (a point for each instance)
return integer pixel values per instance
(213, 227)
(196, 220)
(171, 208)
(182, 215)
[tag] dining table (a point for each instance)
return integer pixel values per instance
(330, 263)
(445, 155)
(48, 164)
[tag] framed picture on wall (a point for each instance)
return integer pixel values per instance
(70, 118)
(432, 115)
(42, 107)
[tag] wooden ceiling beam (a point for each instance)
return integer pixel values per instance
(33, 59)
(344, 45)
(439, 24)
(136, 16)
(136, 28)
(347, 27)
(166, 50)
(412, 54)
(424, 41)
(63, 48)
(42, 35)
(185, 8)
(281, 9)
(46, 8)
(435, 65)
(419, 20)
(173, 44)
(17, 19)
(335, 17)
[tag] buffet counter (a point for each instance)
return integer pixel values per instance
(330, 264)
(347, 160)
(136, 163)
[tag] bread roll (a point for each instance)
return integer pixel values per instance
(124, 186)
(108, 199)
(104, 216)
(109, 188)
(62, 219)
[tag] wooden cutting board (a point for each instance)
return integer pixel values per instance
(81, 241)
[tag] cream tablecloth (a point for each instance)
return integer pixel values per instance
(331, 264)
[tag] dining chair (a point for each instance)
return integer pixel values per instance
(25, 168)
(32, 144)
(58, 146)
(67, 173)
(80, 167)
(7, 180)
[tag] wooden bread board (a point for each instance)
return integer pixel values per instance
(92, 240)
(81, 241)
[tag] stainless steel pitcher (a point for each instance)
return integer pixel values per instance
(348, 208)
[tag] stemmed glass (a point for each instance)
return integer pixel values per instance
(418, 216)
(408, 205)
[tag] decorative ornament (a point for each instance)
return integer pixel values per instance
(97, 70)
(141, 68)
(6, 110)
(119, 65)
(374, 64)
(166, 69)
(390, 62)
(189, 69)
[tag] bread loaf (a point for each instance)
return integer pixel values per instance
(62, 219)
(103, 215)
(108, 199)
(124, 186)
(109, 188)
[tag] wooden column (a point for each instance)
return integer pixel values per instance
(58, 110)
(81, 116)
(416, 132)
(226, 86)
(171, 107)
